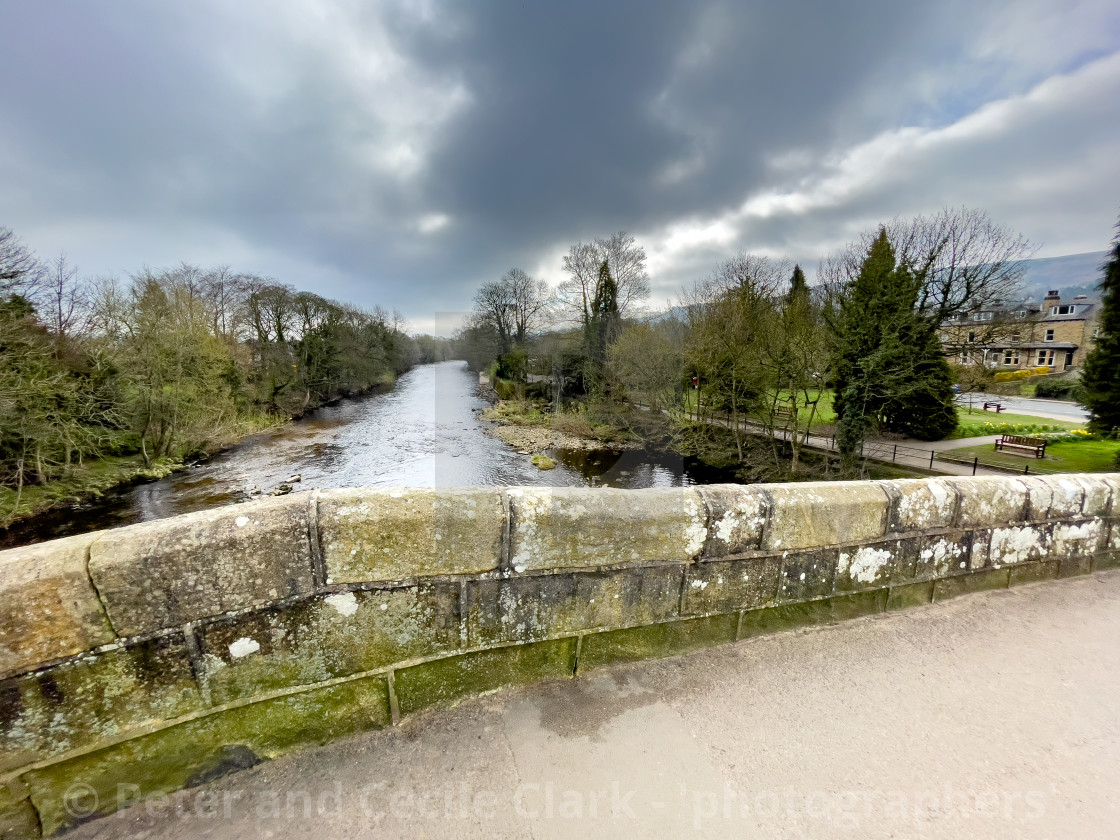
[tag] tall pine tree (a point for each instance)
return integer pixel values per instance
(888, 366)
(1100, 380)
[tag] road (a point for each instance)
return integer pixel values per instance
(1054, 409)
(989, 716)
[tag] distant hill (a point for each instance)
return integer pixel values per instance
(1073, 274)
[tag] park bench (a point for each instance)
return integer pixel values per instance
(784, 413)
(1027, 444)
(993, 406)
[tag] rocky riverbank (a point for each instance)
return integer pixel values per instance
(530, 431)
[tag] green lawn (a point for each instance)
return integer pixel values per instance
(977, 422)
(1072, 456)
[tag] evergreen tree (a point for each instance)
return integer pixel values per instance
(888, 365)
(605, 323)
(1100, 380)
(798, 287)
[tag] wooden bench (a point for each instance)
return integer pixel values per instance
(1027, 444)
(993, 406)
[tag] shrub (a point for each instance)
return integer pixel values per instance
(1057, 390)
(1025, 373)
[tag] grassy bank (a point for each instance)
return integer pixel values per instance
(97, 476)
(1065, 456)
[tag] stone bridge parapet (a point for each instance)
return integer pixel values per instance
(139, 661)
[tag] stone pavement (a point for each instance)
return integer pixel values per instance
(991, 715)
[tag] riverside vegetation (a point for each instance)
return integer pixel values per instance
(751, 359)
(103, 382)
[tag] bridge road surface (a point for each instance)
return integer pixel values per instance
(989, 716)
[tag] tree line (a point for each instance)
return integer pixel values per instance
(170, 363)
(751, 355)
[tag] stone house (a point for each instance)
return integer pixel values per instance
(1026, 334)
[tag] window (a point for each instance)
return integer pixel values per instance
(1069, 309)
(1015, 337)
(982, 316)
(1049, 335)
(971, 337)
(1011, 356)
(1046, 357)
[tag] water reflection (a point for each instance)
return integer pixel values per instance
(424, 432)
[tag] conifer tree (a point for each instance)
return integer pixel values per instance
(1100, 380)
(889, 369)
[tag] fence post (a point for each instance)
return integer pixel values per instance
(932, 452)
(894, 456)
(1027, 469)
(975, 461)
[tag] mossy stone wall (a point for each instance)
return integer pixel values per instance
(138, 661)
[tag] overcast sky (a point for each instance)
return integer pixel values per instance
(401, 153)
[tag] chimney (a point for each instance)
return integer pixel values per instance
(1053, 298)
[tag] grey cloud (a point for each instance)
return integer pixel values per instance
(312, 141)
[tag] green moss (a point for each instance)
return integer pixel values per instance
(90, 699)
(315, 640)
(910, 595)
(656, 640)
(444, 681)
(951, 587)
(18, 818)
(1031, 572)
(173, 758)
(1073, 566)
(1106, 560)
(785, 617)
(543, 462)
(859, 604)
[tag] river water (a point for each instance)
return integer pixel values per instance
(423, 432)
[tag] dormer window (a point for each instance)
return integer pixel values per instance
(1067, 309)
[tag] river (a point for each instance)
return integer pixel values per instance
(423, 432)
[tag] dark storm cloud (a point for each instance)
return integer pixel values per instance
(400, 153)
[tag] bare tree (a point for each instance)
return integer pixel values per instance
(627, 262)
(514, 306)
(65, 302)
(963, 258)
(19, 268)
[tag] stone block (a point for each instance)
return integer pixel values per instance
(987, 501)
(737, 515)
(656, 640)
(371, 535)
(859, 604)
(165, 573)
(876, 565)
(92, 698)
(1032, 572)
(189, 753)
(1098, 495)
(1018, 544)
(327, 636)
(534, 607)
(18, 818)
(807, 574)
(947, 553)
(1105, 560)
(951, 587)
(48, 607)
(919, 504)
(1073, 566)
(442, 682)
(723, 586)
(1078, 538)
(576, 527)
(785, 617)
(821, 513)
(910, 595)
(1053, 497)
